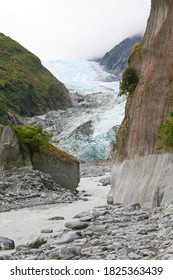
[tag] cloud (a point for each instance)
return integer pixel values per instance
(72, 29)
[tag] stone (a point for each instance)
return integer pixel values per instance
(6, 243)
(142, 216)
(76, 225)
(57, 218)
(36, 242)
(46, 230)
(64, 169)
(68, 237)
(97, 213)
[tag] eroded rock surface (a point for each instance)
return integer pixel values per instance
(138, 173)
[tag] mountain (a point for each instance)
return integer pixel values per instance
(115, 61)
(140, 172)
(27, 88)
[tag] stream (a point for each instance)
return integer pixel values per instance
(24, 224)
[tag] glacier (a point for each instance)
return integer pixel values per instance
(88, 130)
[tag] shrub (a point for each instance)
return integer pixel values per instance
(129, 81)
(34, 137)
(165, 133)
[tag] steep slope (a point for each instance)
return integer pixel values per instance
(139, 172)
(115, 61)
(26, 87)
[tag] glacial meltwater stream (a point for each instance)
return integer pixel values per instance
(24, 224)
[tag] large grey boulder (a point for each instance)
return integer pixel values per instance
(6, 243)
(64, 169)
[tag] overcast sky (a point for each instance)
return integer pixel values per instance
(72, 29)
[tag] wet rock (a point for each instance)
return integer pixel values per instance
(6, 243)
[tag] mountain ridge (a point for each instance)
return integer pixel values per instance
(116, 60)
(27, 88)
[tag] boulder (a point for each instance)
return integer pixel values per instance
(6, 243)
(68, 237)
(36, 242)
(63, 168)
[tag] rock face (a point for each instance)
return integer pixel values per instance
(144, 179)
(115, 61)
(10, 152)
(64, 170)
(145, 109)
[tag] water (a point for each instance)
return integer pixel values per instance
(22, 225)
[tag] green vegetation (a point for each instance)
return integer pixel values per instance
(136, 47)
(37, 141)
(135, 52)
(165, 133)
(26, 87)
(33, 137)
(129, 81)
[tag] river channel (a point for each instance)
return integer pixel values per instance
(24, 224)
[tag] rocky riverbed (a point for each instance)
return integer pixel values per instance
(135, 231)
(25, 187)
(107, 232)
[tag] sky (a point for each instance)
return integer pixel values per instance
(72, 29)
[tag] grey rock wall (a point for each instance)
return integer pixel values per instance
(11, 155)
(143, 179)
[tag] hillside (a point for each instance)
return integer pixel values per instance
(115, 61)
(27, 88)
(148, 172)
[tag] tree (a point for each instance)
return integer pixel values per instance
(129, 81)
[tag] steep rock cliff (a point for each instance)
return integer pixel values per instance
(146, 107)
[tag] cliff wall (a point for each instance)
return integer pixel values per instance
(145, 109)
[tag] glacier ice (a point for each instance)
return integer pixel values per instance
(88, 130)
